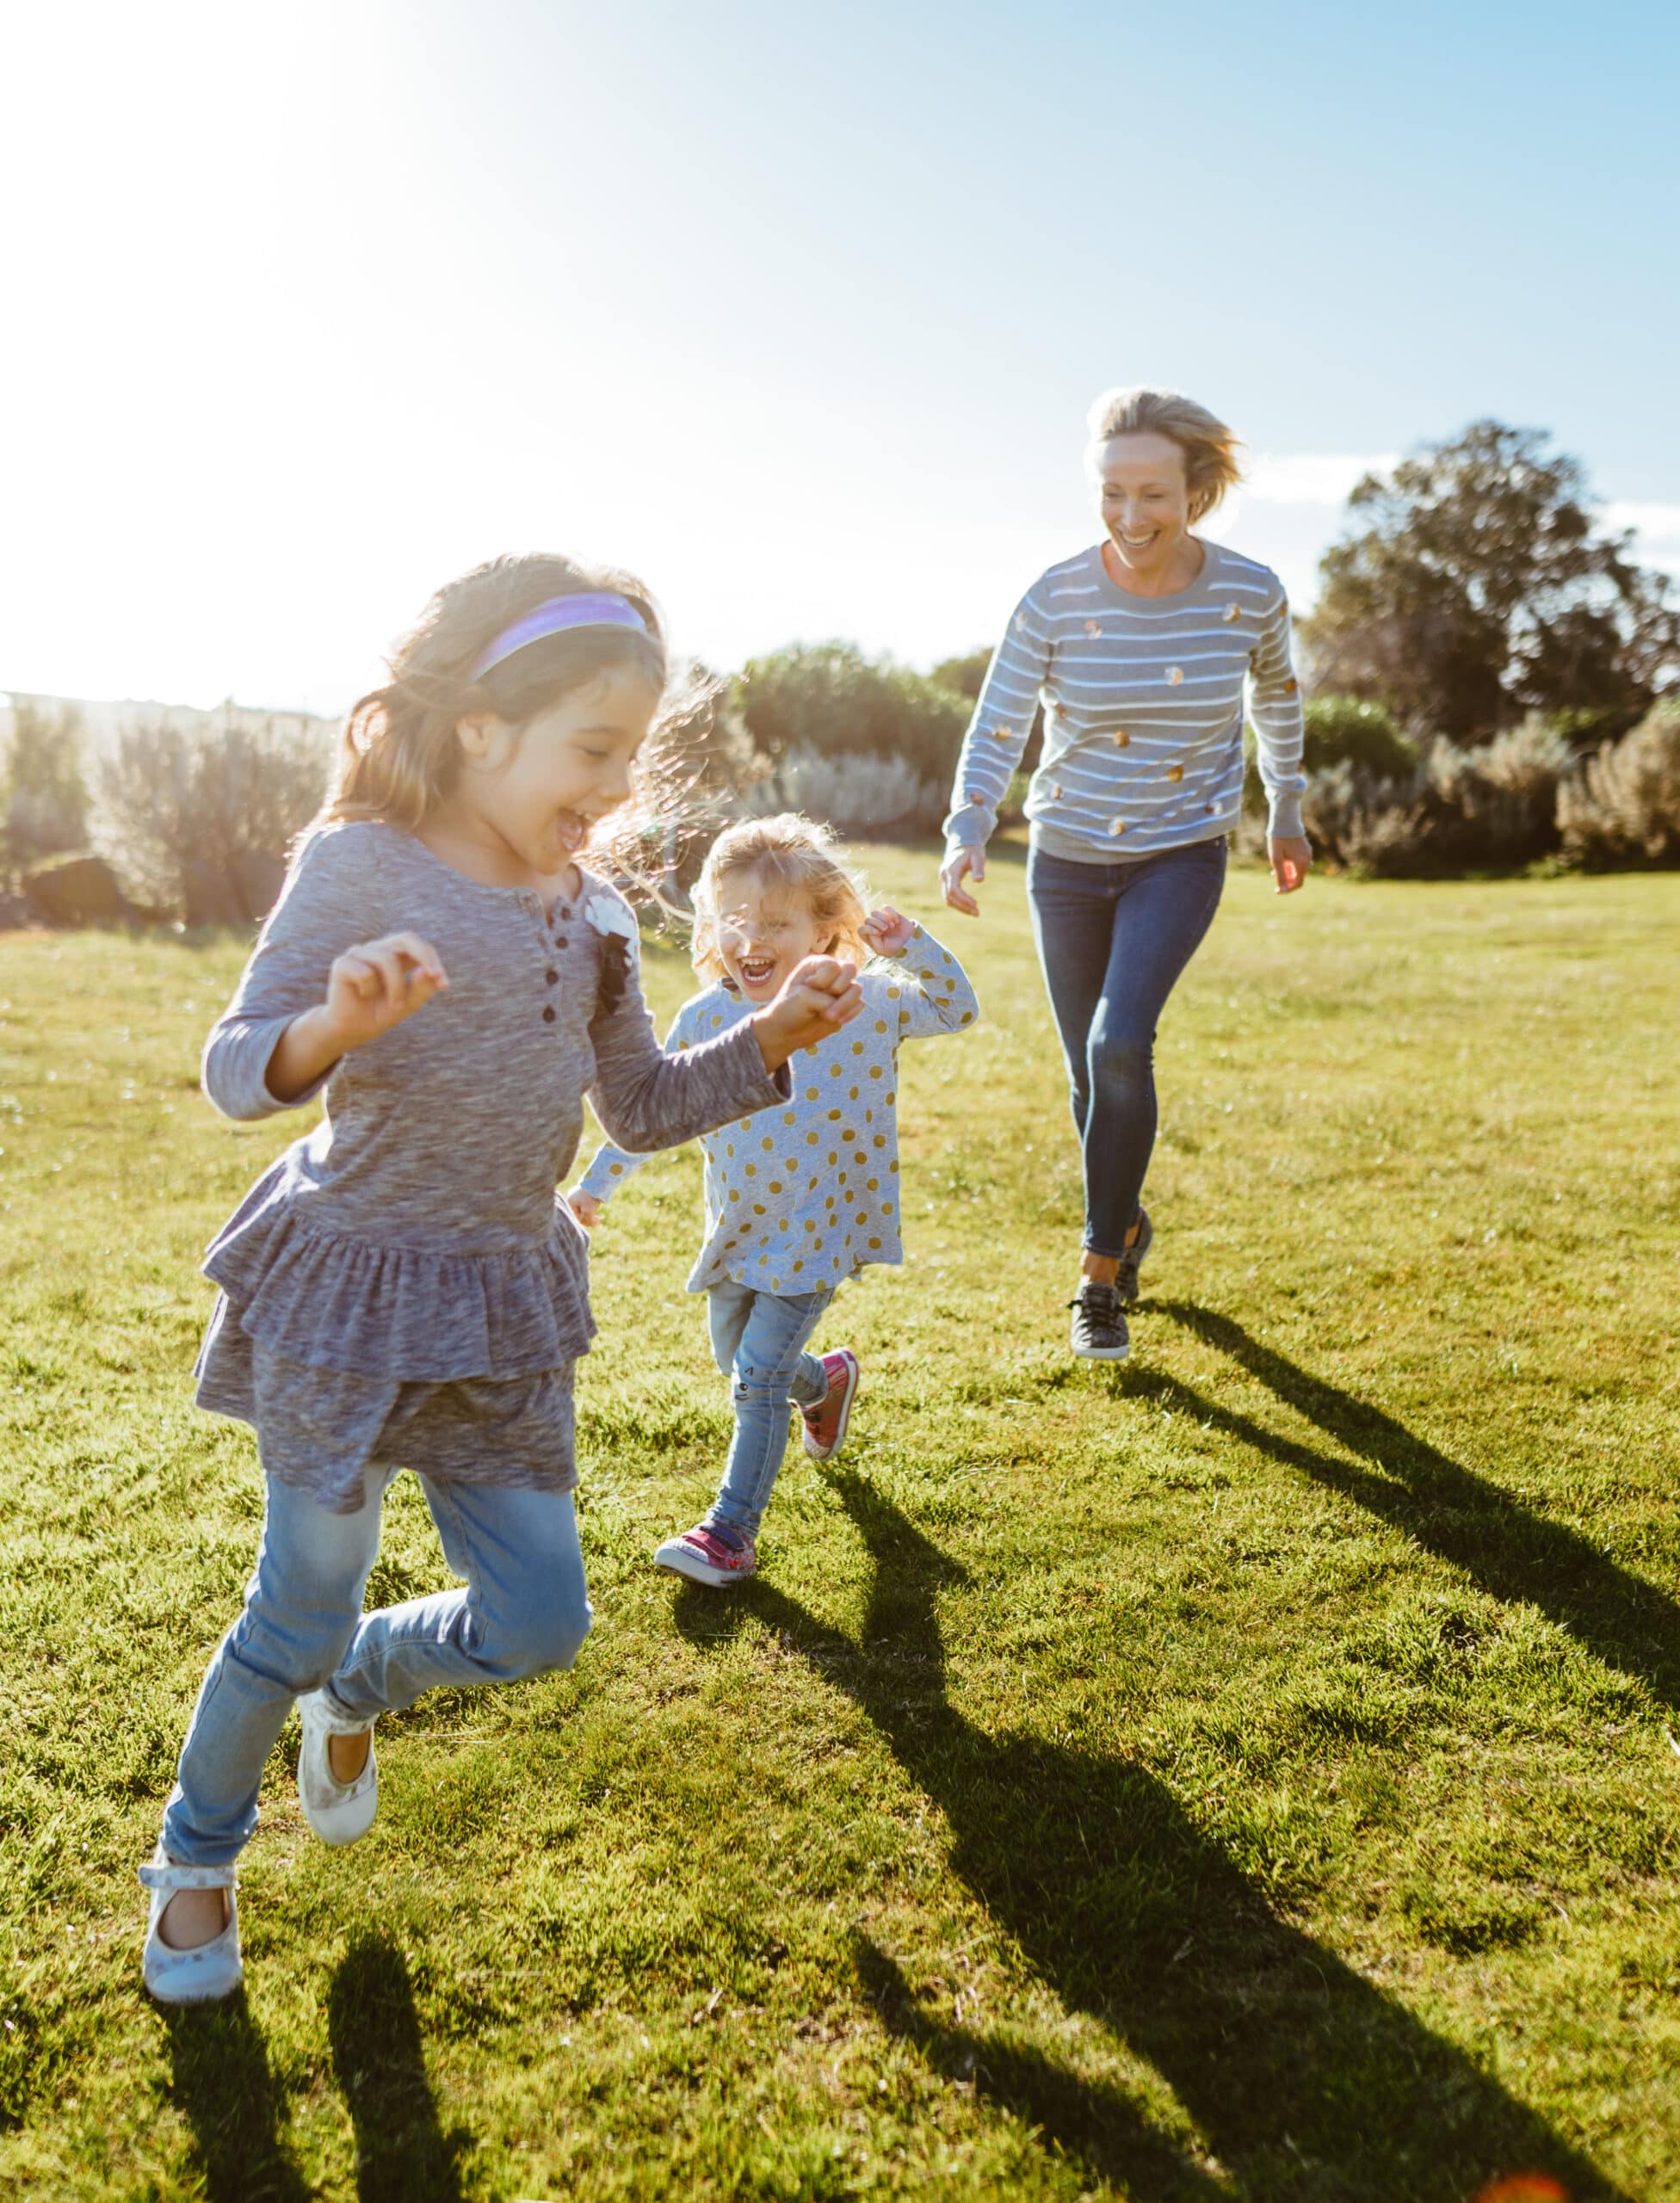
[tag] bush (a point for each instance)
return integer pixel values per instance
(828, 699)
(177, 806)
(1623, 806)
(857, 794)
(1349, 731)
(43, 795)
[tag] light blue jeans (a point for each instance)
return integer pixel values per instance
(758, 1339)
(525, 1609)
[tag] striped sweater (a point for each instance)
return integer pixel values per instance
(1143, 712)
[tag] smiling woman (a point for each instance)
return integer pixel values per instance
(1139, 650)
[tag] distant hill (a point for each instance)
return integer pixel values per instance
(104, 721)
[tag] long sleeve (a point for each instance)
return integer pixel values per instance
(331, 900)
(610, 1166)
(997, 736)
(932, 992)
(1278, 727)
(647, 1100)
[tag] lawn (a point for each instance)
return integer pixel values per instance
(1249, 1772)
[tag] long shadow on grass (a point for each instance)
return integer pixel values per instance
(1510, 1552)
(402, 2155)
(1307, 2082)
(223, 2087)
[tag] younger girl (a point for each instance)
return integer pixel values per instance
(800, 1194)
(401, 1286)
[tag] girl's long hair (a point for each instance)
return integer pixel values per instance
(801, 856)
(398, 757)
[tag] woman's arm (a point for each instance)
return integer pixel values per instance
(1279, 741)
(992, 747)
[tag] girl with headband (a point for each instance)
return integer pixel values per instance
(402, 1288)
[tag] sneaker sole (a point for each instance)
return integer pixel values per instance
(694, 1569)
(1102, 1353)
(854, 1373)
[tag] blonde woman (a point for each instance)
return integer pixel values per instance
(1138, 649)
(798, 1198)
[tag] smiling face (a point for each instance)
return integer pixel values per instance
(528, 795)
(1144, 500)
(764, 929)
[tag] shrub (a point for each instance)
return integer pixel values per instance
(1349, 731)
(43, 795)
(1623, 806)
(856, 794)
(828, 699)
(173, 804)
(1496, 806)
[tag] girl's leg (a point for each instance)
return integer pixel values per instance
(771, 1367)
(728, 1308)
(1165, 906)
(524, 1609)
(300, 1613)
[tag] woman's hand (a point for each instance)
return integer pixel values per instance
(888, 932)
(370, 988)
(817, 997)
(1291, 856)
(586, 1207)
(966, 859)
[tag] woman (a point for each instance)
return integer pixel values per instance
(1138, 648)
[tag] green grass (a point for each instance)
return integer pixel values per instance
(1243, 1774)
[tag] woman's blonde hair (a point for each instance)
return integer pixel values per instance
(1210, 449)
(398, 757)
(799, 854)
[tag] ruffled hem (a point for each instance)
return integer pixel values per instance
(400, 1313)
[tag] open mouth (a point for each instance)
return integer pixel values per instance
(1138, 542)
(755, 970)
(569, 831)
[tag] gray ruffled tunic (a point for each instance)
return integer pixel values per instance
(404, 1286)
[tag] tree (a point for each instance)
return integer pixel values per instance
(43, 797)
(1478, 588)
(829, 698)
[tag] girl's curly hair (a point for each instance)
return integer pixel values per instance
(801, 855)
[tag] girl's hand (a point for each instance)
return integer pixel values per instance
(377, 985)
(888, 932)
(586, 1207)
(817, 998)
(1292, 859)
(966, 861)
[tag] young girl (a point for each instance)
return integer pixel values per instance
(401, 1286)
(798, 1195)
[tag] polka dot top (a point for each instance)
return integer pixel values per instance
(799, 1196)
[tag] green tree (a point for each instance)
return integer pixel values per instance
(1477, 587)
(43, 796)
(829, 698)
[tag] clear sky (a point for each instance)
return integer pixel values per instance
(794, 309)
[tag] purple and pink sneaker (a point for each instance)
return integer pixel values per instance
(826, 1423)
(709, 1553)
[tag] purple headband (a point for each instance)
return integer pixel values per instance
(553, 619)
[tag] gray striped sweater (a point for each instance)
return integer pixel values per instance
(1143, 712)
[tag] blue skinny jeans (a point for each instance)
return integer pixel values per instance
(524, 1609)
(758, 1340)
(1113, 939)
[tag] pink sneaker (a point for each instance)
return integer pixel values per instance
(706, 1554)
(826, 1423)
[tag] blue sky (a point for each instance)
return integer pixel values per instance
(796, 310)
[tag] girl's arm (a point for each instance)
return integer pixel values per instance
(610, 1166)
(316, 985)
(930, 990)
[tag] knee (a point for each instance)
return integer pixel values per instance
(550, 1634)
(298, 1642)
(1119, 1058)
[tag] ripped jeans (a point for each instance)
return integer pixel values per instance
(758, 1340)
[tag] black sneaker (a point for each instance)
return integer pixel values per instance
(1099, 1323)
(1125, 1279)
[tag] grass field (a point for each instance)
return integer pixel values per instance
(1246, 1773)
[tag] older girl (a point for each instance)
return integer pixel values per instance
(800, 1198)
(402, 1286)
(1138, 649)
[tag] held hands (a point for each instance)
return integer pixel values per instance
(965, 860)
(1291, 858)
(586, 1207)
(818, 995)
(887, 931)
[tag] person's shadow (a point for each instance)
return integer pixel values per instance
(402, 2154)
(221, 2084)
(1499, 1544)
(1305, 2081)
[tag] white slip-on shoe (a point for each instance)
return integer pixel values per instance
(339, 1812)
(213, 1969)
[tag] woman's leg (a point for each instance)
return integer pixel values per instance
(1165, 906)
(1073, 909)
(524, 1608)
(300, 1611)
(771, 1368)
